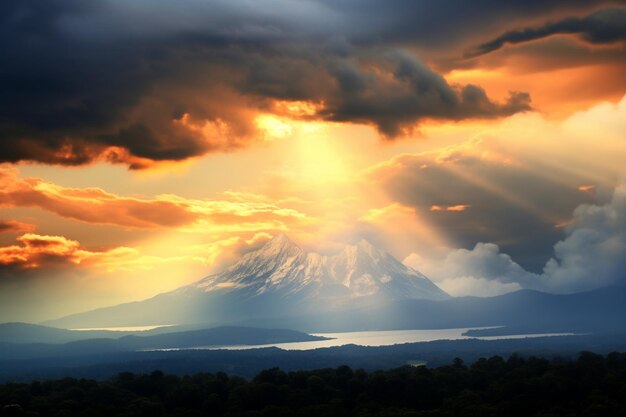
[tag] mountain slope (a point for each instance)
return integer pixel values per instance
(281, 267)
(279, 279)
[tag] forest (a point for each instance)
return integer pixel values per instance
(591, 385)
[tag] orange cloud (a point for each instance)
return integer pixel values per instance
(297, 108)
(96, 206)
(13, 226)
(33, 251)
(558, 90)
(458, 207)
(586, 188)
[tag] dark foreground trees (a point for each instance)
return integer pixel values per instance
(593, 385)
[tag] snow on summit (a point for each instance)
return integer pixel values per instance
(281, 267)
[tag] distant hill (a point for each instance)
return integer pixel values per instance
(219, 336)
(34, 333)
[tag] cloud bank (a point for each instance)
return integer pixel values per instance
(143, 82)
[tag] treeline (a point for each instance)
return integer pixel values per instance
(592, 385)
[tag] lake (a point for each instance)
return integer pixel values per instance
(376, 338)
(123, 328)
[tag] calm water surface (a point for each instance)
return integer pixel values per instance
(378, 338)
(124, 328)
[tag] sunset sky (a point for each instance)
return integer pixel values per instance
(147, 143)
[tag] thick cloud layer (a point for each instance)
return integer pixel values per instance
(414, 93)
(138, 82)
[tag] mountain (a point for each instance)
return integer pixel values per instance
(280, 279)
(33, 333)
(282, 268)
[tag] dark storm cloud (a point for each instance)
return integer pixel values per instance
(389, 89)
(414, 92)
(68, 93)
(136, 82)
(602, 27)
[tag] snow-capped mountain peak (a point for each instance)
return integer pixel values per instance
(363, 249)
(280, 242)
(278, 246)
(283, 268)
(366, 246)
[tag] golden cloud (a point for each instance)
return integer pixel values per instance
(96, 206)
(13, 226)
(33, 249)
(458, 207)
(36, 251)
(586, 188)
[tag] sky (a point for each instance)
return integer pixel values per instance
(146, 144)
